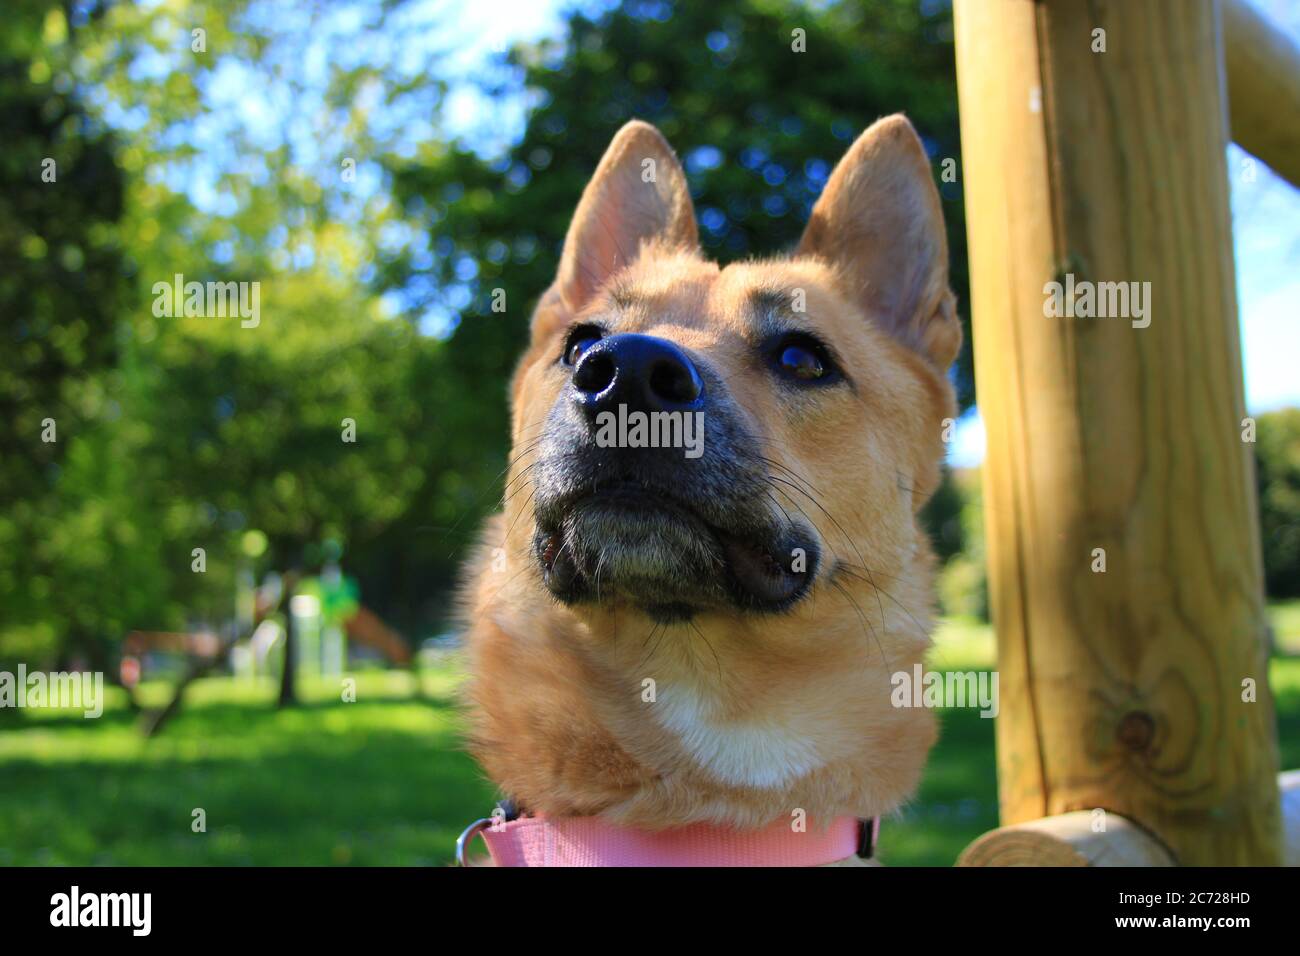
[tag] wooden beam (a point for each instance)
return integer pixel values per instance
(1263, 68)
(1071, 839)
(1085, 838)
(1116, 440)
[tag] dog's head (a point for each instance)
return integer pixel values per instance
(728, 462)
(701, 439)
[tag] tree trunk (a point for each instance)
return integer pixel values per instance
(288, 674)
(151, 722)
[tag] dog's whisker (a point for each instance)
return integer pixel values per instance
(862, 561)
(523, 511)
(508, 494)
(600, 564)
(884, 658)
(820, 534)
(848, 570)
(867, 452)
(646, 660)
(709, 644)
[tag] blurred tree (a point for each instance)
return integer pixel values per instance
(242, 428)
(963, 581)
(309, 422)
(66, 538)
(309, 428)
(942, 515)
(1277, 451)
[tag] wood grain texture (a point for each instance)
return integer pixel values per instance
(1067, 840)
(1120, 689)
(1263, 88)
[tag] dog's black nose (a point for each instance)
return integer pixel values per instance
(644, 373)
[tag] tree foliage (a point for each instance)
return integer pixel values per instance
(1277, 451)
(62, 287)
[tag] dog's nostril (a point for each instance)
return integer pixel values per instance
(594, 373)
(640, 371)
(675, 382)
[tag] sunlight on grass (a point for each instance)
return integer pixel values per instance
(963, 644)
(1285, 618)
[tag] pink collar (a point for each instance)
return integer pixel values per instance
(592, 841)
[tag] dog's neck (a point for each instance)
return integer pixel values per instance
(721, 719)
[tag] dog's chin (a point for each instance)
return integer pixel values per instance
(629, 547)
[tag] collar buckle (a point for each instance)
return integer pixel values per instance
(868, 834)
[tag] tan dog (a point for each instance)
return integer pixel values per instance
(662, 636)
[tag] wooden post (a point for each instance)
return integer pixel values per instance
(1112, 445)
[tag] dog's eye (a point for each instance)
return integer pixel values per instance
(579, 340)
(803, 358)
(802, 362)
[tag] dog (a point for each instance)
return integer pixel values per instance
(666, 638)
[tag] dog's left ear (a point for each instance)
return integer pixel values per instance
(879, 221)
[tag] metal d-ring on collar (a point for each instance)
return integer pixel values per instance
(466, 838)
(507, 810)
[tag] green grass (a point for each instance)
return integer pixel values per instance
(379, 781)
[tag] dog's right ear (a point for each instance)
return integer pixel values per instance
(637, 194)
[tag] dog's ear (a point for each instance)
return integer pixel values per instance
(879, 222)
(637, 194)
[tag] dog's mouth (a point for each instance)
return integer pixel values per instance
(627, 543)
